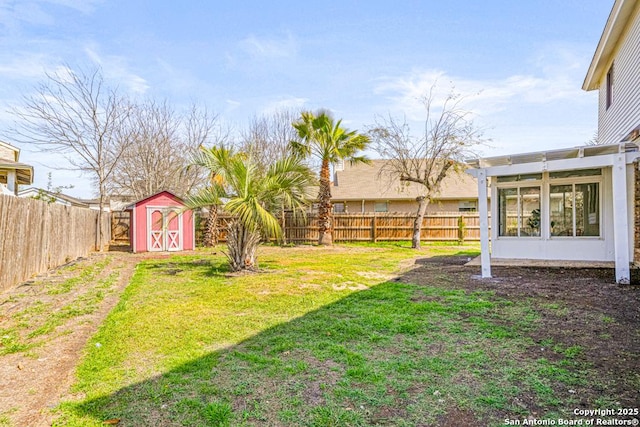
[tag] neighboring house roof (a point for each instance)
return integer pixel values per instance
(365, 182)
(615, 28)
(24, 172)
(116, 202)
(58, 197)
(9, 156)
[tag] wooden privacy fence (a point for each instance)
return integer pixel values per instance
(36, 236)
(385, 227)
(120, 227)
(370, 227)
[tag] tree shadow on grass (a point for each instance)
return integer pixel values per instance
(204, 267)
(362, 360)
(403, 352)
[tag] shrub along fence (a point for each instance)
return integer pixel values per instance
(36, 236)
(378, 227)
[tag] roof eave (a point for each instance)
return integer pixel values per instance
(619, 16)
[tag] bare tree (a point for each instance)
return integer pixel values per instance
(162, 144)
(267, 138)
(450, 137)
(74, 113)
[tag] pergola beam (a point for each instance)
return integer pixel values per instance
(621, 222)
(483, 209)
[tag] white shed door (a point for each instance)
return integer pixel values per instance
(164, 227)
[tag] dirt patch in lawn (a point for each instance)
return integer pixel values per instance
(581, 314)
(45, 324)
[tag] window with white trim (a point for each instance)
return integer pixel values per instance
(519, 211)
(381, 207)
(574, 207)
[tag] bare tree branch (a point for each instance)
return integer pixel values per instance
(75, 114)
(162, 144)
(267, 138)
(449, 137)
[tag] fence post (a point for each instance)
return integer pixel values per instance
(374, 230)
(461, 230)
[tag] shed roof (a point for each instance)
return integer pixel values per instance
(153, 196)
(366, 182)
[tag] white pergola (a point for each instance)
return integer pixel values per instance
(614, 156)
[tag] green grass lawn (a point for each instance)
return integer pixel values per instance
(322, 337)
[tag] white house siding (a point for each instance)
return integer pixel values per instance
(623, 115)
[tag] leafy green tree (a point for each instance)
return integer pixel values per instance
(326, 140)
(251, 194)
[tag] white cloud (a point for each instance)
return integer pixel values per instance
(116, 68)
(24, 66)
(556, 76)
(270, 48)
(542, 109)
(232, 104)
(37, 12)
(284, 103)
(84, 6)
(483, 97)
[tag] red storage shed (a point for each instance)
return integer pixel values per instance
(158, 223)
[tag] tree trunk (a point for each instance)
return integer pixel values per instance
(423, 202)
(325, 216)
(99, 221)
(284, 226)
(242, 245)
(211, 230)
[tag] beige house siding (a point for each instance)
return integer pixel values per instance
(623, 115)
(403, 206)
(354, 183)
(7, 153)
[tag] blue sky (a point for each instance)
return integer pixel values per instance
(520, 64)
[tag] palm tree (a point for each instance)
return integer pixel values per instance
(329, 142)
(211, 228)
(250, 194)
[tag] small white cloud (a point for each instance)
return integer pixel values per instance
(116, 68)
(24, 66)
(38, 12)
(287, 103)
(84, 6)
(270, 47)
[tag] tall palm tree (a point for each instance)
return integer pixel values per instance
(325, 139)
(250, 194)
